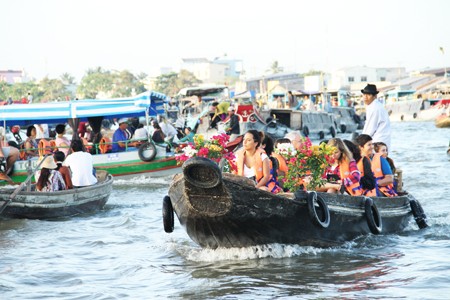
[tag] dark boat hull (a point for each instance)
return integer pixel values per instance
(235, 214)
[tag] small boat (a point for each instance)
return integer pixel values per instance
(346, 119)
(221, 210)
(33, 204)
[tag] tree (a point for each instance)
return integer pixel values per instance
(53, 90)
(171, 83)
(95, 81)
(67, 79)
(275, 68)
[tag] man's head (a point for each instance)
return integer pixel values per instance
(369, 93)
(123, 125)
(295, 137)
(230, 110)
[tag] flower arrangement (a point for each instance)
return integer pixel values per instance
(214, 149)
(306, 165)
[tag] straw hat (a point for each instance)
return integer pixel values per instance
(49, 163)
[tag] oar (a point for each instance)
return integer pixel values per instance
(20, 187)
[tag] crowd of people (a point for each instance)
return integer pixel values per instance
(361, 166)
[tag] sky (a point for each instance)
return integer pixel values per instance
(52, 37)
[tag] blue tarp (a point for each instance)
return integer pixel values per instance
(60, 112)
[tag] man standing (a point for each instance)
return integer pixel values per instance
(234, 130)
(377, 123)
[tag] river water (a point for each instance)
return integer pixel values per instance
(123, 252)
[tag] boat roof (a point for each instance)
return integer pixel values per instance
(59, 112)
(202, 91)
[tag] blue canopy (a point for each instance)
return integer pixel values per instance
(59, 112)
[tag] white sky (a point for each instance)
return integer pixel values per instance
(50, 37)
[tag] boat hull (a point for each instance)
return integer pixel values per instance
(121, 165)
(235, 214)
(59, 204)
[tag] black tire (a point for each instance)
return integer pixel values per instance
(333, 131)
(321, 135)
(322, 221)
(147, 151)
(373, 216)
(305, 131)
(418, 213)
(414, 115)
(343, 128)
(167, 214)
(202, 172)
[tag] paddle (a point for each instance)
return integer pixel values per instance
(20, 187)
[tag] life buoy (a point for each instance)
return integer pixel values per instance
(305, 131)
(333, 131)
(167, 214)
(105, 145)
(418, 213)
(202, 172)
(147, 151)
(373, 216)
(343, 128)
(322, 221)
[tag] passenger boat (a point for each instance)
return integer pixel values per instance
(221, 210)
(33, 204)
(314, 124)
(148, 159)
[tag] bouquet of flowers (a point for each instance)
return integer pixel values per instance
(214, 149)
(306, 165)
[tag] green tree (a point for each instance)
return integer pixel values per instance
(275, 68)
(95, 81)
(171, 83)
(67, 79)
(53, 90)
(126, 84)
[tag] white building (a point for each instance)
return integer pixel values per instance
(209, 72)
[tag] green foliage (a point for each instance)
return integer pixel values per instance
(113, 84)
(171, 83)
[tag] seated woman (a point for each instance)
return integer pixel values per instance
(268, 146)
(65, 172)
(282, 165)
(380, 167)
(31, 145)
(158, 135)
(367, 181)
(50, 180)
(345, 169)
(381, 148)
(253, 162)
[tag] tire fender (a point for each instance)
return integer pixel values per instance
(147, 151)
(418, 213)
(324, 220)
(167, 214)
(333, 131)
(373, 216)
(305, 131)
(343, 128)
(202, 172)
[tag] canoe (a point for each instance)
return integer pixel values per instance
(221, 210)
(59, 204)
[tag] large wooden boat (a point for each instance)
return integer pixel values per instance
(33, 204)
(224, 210)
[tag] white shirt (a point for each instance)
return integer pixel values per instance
(168, 130)
(41, 131)
(81, 166)
(140, 133)
(250, 172)
(377, 123)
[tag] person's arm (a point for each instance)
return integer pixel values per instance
(354, 176)
(266, 171)
(386, 169)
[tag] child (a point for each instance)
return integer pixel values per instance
(382, 149)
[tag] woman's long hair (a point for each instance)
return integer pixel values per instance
(43, 178)
(345, 153)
